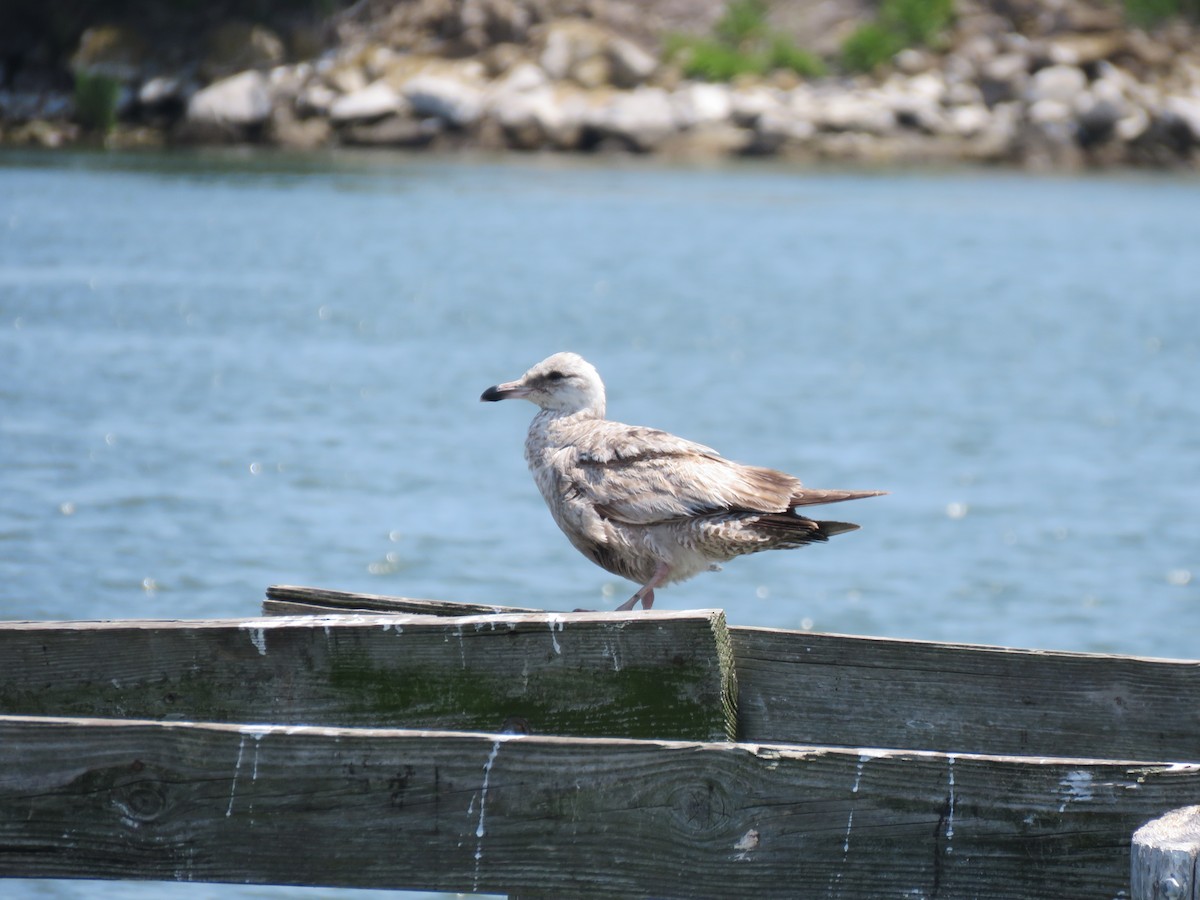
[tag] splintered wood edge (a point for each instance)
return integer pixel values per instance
(727, 665)
(286, 599)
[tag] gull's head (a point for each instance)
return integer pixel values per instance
(564, 382)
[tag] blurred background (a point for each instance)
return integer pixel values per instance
(230, 367)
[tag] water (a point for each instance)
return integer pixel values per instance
(226, 371)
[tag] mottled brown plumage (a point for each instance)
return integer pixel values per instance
(645, 504)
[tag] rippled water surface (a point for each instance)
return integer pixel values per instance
(223, 372)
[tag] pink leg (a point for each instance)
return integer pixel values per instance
(646, 592)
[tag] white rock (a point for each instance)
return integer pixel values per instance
(782, 122)
(376, 100)
(916, 101)
(1114, 78)
(521, 78)
(379, 61)
(579, 50)
(854, 112)
(921, 113)
(642, 117)
(802, 101)
(159, 90)
(1056, 83)
(347, 79)
(979, 49)
(969, 120)
(1187, 109)
(540, 114)
(955, 68)
(754, 102)
(912, 61)
(1104, 99)
(317, 98)
(289, 81)
(518, 109)
(557, 56)
(929, 86)
(700, 103)
(242, 99)
(1134, 125)
(450, 99)
(1008, 67)
(963, 93)
(1050, 112)
(631, 65)
(1005, 117)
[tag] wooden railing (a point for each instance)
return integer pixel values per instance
(402, 744)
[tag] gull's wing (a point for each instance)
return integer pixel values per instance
(643, 475)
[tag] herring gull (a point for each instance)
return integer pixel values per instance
(645, 504)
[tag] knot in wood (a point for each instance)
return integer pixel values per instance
(139, 801)
(700, 807)
(1169, 888)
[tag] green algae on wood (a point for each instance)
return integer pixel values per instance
(653, 675)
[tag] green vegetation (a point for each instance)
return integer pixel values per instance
(919, 22)
(743, 43)
(96, 101)
(869, 46)
(1151, 12)
(899, 24)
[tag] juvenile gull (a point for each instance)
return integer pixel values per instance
(644, 504)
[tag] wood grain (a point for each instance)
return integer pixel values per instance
(798, 687)
(555, 816)
(662, 675)
(803, 687)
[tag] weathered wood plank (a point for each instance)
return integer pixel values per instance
(801, 687)
(798, 687)
(506, 813)
(1165, 854)
(666, 674)
(286, 599)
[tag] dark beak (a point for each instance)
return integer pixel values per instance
(507, 391)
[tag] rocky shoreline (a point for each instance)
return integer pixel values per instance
(1066, 84)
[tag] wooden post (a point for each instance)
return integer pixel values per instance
(1165, 852)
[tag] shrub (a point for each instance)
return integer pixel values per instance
(744, 21)
(869, 46)
(742, 43)
(713, 61)
(786, 55)
(899, 24)
(96, 98)
(1151, 12)
(916, 21)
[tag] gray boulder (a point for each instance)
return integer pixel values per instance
(240, 100)
(641, 119)
(375, 101)
(452, 100)
(1061, 84)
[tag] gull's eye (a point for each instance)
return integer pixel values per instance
(555, 376)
